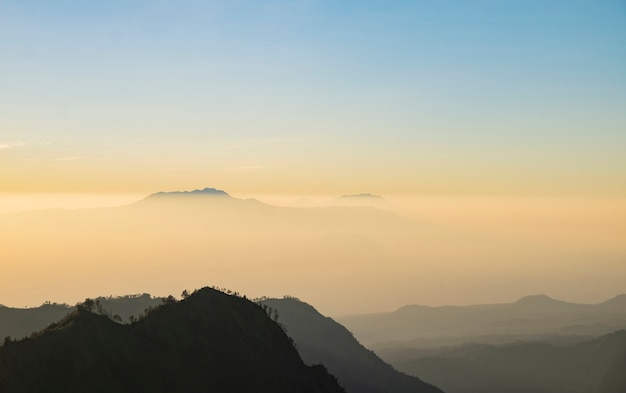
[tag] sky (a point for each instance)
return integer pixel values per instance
(501, 122)
(314, 97)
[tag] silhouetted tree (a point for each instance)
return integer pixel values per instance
(88, 305)
(99, 307)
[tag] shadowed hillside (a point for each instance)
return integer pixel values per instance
(208, 342)
(594, 366)
(20, 322)
(321, 340)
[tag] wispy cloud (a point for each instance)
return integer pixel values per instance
(11, 145)
(73, 158)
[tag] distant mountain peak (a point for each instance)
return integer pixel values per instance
(538, 299)
(357, 200)
(412, 307)
(361, 196)
(203, 192)
(617, 300)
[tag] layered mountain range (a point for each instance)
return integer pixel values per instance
(537, 344)
(596, 365)
(319, 339)
(422, 326)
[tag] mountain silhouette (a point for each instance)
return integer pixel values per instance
(618, 301)
(320, 339)
(356, 200)
(21, 322)
(209, 341)
(416, 325)
(361, 196)
(538, 299)
(596, 365)
(203, 192)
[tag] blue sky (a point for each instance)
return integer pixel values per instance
(514, 88)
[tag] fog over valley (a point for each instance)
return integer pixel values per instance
(346, 259)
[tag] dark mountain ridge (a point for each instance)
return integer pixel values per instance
(209, 341)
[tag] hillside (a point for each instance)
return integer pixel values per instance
(320, 339)
(420, 326)
(21, 322)
(595, 365)
(208, 342)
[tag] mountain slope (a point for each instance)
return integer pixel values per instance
(596, 365)
(20, 322)
(208, 342)
(321, 340)
(538, 314)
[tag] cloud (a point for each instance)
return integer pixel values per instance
(73, 158)
(11, 145)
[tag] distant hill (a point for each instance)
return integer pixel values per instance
(361, 196)
(618, 302)
(209, 342)
(355, 200)
(21, 322)
(597, 365)
(203, 192)
(537, 344)
(532, 315)
(320, 339)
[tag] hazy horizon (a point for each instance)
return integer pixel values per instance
(497, 128)
(557, 230)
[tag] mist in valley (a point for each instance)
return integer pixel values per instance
(345, 259)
